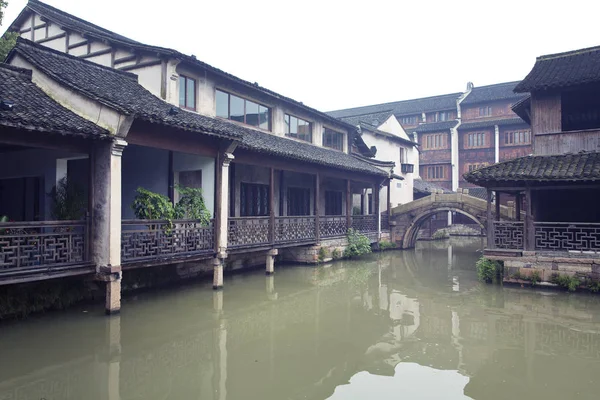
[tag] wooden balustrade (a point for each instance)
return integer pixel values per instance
(509, 234)
(143, 240)
(364, 223)
(564, 236)
(332, 226)
(248, 231)
(43, 245)
(295, 229)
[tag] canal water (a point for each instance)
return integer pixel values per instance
(396, 325)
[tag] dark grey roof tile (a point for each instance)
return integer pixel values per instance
(491, 123)
(435, 126)
(488, 93)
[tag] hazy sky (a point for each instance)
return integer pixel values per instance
(339, 54)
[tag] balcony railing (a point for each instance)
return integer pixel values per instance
(385, 221)
(567, 236)
(509, 235)
(332, 226)
(295, 229)
(248, 231)
(143, 240)
(43, 245)
(364, 223)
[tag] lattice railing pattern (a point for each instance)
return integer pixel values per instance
(149, 239)
(294, 229)
(247, 231)
(42, 244)
(364, 223)
(331, 226)
(385, 221)
(567, 236)
(509, 235)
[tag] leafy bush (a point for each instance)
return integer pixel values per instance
(336, 254)
(67, 201)
(150, 205)
(441, 234)
(322, 254)
(535, 278)
(489, 270)
(356, 210)
(386, 245)
(191, 205)
(358, 244)
(571, 283)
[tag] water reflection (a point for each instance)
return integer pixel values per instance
(410, 324)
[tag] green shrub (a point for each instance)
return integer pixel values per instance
(67, 201)
(336, 254)
(322, 254)
(385, 245)
(489, 270)
(150, 205)
(535, 278)
(191, 205)
(571, 283)
(441, 234)
(358, 244)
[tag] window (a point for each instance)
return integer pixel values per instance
(333, 202)
(298, 128)
(187, 92)
(485, 111)
(435, 141)
(409, 120)
(403, 155)
(473, 167)
(241, 110)
(254, 200)
(333, 139)
(441, 116)
(298, 201)
(475, 139)
(516, 138)
(435, 172)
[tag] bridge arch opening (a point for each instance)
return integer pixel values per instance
(412, 232)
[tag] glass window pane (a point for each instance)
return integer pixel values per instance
(181, 91)
(287, 124)
(264, 117)
(304, 130)
(236, 108)
(294, 126)
(191, 93)
(222, 104)
(251, 113)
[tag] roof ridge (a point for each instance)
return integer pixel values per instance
(496, 84)
(568, 53)
(16, 70)
(26, 42)
(372, 113)
(394, 102)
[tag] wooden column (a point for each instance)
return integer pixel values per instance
(348, 204)
(317, 208)
(498, 206)
(171, 178)
(518, 200)
(529, 226)
(377, 209)
(389, 197)
(490, 221)
(272, 205)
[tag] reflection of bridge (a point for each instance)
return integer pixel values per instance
(409, 217)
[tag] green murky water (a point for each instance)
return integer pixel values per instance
(399, 325)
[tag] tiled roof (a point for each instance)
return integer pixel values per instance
(34, 110)
(79, 25)
(491, 123)
(371, 128)
(480, 193)
(499, 91)
(421, 186)
(571, 68)
(523, 108)
(374, 119)
(121, 91)
(435, 126)
(583, 166)
(404, 107)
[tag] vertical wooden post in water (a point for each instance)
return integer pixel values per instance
(272, 206)
(490, 221)
(529, 226)
(317, 208)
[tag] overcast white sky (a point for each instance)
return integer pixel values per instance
(338, 54)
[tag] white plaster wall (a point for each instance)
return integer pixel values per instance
(34, 163)
(59, 44)
(54, 29)
(149, 78)
(193, 162)
(104, 59)
(393, 126)
(78, 51)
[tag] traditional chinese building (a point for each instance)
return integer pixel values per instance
(558, 229)
(86, 105)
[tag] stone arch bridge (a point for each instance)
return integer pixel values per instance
(406, 219)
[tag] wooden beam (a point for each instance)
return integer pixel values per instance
(171, 177)
(96, 53)
(497, 205)
(529, 226)
(317, 206)
(518, 200)
(272, 206)
(281, 194)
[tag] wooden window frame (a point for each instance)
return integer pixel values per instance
(337, 204)
(305, 193)
(338, 133)
(287, 117)
(469, 167)
(435, 141)
(436, 172)
(471, 140)
(487, 111)
(229, 94)
(409, 120)
(512, 134)
(246, 210)
(185, 93)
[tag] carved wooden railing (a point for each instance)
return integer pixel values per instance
(247, 231)
(385, 221)
(364, 223)
(43, 244)
(295, 229)
(509, 235)
(557, 236)
(332, 226)
(159, 239)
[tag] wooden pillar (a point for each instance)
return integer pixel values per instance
(389, 197)
(272, 205)
(529, 222)
(171, 178)
(317, 207)
(498, 217)
(106, 219)
(518, 200)
(490, 221)
(377, 209)
(348, 204)
(281, 196)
